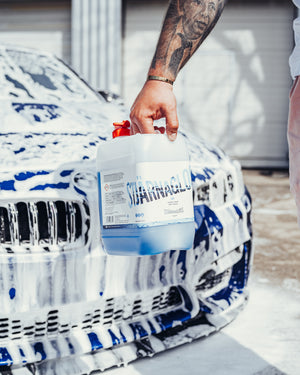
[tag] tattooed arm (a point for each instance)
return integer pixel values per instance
(186, 25)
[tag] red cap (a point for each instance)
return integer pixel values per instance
(121, 129)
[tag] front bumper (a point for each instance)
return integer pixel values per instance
(67, 308)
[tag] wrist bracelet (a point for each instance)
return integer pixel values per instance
(158, 78)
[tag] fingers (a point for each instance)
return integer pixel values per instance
(155, 101)
(141, 114)
(141, 124)
(133, 128)
(172, 124)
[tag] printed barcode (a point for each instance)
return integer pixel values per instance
(109, 219)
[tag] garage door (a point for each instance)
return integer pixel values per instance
(234, 91)
(40, 24)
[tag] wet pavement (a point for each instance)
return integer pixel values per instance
(265, 337)
(275, 228)
(270, 324)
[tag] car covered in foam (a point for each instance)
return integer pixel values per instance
(66, 306)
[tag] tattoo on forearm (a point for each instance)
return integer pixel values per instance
(186, 25)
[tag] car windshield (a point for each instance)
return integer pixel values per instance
(29, 75)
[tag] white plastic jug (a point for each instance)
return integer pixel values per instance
(145, 195)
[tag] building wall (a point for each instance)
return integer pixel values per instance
(234, 90)
(37, 24)
(97, 42)
(85, 33)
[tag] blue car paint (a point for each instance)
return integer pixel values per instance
(76, 314)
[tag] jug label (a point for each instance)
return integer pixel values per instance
(151, 194)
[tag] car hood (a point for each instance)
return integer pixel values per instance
(49, 118)
(48, 115)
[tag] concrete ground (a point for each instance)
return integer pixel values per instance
(265, 337)
(276, 233)
(270, 324)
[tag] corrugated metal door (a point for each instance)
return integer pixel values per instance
(97, 42)
(234, 91)
(45, 25)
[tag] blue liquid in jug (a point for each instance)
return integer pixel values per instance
(145, 195)
(148, 240)
(141, 239)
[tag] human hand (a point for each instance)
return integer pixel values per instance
(156, 100)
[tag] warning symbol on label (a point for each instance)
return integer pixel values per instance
(106, 187)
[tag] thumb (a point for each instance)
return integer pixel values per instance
(172, 125)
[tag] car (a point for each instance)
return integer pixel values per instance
(67, 307)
